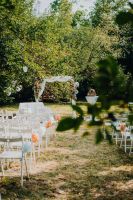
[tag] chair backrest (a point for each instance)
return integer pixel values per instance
(26, 133)
(7, 139)
(10, 144)
(2, 130)
(13, 131)
(23, 131)
(11, 122)
(2, 116)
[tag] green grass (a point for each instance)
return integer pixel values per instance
(60, 108)
(66, 108)
(10, 107)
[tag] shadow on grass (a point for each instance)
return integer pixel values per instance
(102, 181)
(37, 188)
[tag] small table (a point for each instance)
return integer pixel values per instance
(91, 99)
(36, 108)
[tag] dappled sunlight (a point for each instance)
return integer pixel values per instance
(95, 193)
(124, 186)
(48, 166)
(60, 150)
(122, 168)
(39, 167)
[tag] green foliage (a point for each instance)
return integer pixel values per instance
(108, 136)
(109, 77)
(78, 110)
(130, 117)
(126, 37)
(69, 123)
(85, 134)
(15, 18)
(105, 11)
(99, 136)
(57, 92)
(125, 17)
(60, 43)
(125, 21)
(66, 124)
(94, 109)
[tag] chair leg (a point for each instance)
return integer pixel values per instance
(131, 147)
(125, 144)
(2, 168)
(22, 172)
(30, 161)
(116, 139)
(46, 139)
(33, 153)
(121, 141)
(26, 168)
(39, 147)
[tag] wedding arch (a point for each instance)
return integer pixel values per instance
(40, 89)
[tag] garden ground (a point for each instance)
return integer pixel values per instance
(74, 168)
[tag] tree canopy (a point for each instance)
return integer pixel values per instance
(60, 42)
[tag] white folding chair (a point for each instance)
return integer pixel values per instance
(131, 147)
(116, 134)
(126, 137)
(26, 133)
(1, 116)
(10, 153)
(131, 137)
(17, 130)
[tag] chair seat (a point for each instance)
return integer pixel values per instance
(11, 155)
(16, 144)
(27, 136)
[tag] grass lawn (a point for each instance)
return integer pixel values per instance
(74, 168)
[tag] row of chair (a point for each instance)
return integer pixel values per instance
(21, 137)
(122, 134)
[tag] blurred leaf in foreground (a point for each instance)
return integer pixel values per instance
(108, 137)
(85, 134)
(99, 136)
(78, 109)
(69, 123)
(125, 17)
(66, 124)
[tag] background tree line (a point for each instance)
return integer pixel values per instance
(62, 42)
